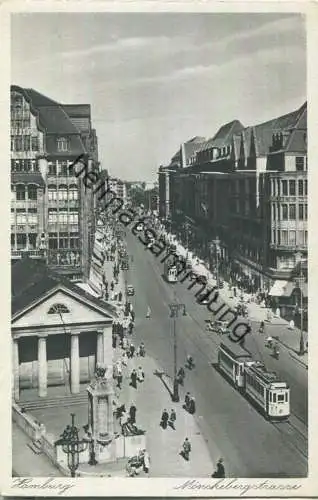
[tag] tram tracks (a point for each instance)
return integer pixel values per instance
(296, 437)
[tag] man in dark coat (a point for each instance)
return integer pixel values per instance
(172, 419)
(164, 419)
(132, 414)
(133, 378)
(220, 471)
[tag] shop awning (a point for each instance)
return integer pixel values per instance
(282, 289)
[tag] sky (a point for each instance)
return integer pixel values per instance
(155, 80)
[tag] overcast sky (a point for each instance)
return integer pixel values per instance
(156, 80)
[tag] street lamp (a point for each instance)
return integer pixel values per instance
(72, 445)
(216, 245)
(175, 308)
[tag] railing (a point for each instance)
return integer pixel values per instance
(30, 253)
(69, 258)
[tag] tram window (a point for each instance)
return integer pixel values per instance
(270, 397)
(274, 398)
(280, 397)
(286, 397)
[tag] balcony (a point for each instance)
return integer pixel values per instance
(24, 252)
(64, 258)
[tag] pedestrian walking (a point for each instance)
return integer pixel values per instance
(119, 378)
(186, 448)
(220, 470)
(133, 378)
(140, 374)
(164, 419)
(141, 350)
(132, 350)
(148, 313)
(120, 296)
(112, 286)
(132, 414)
(180, 376)
(187, 400)
(172, 419)
(130, 327)
(146, 461)
(191, 406)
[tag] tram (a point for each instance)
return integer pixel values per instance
(170, 272)
(264, 388)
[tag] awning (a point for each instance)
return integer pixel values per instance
(282, 289)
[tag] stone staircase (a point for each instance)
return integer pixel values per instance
(67, 400)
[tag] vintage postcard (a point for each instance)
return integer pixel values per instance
(157, 166)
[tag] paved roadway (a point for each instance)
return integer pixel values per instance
(250, 445)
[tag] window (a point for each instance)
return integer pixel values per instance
(74, 240)
(62, 192)
(278, 187)
(62, 144)
(292, 211)
(284, 238)
(73, 192)
(52, 216)
(52, 168)
(306, 188)
(292, 188)
(301, 211)
(52, 192)
(18, 143)
(284, 212)
(32, 216)
(53, 241)
(21, 216)
(274, 398)
(62, 217)
(26, 143)
(280, 398)
(306, 237)
(306, 213)
(20, 192)
(274, 211)
(301, 187)
(21, 241)
(32, 192)
(35, 143)
(301, 237)
(300, 163)
(73, 218)
(284, 188)
(63, 240)
(292, 238)
(58, 309)
(12, 217)
(64, 169)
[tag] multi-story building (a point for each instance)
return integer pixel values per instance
(119, 187)
(52, 212)
(248, 186)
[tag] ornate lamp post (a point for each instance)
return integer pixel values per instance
(175, 308)
(72, 445)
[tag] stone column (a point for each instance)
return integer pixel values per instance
(42, 366)
(100, 347)
(75, 363)
(15, 370)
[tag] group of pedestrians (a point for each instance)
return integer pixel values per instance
(168, 420)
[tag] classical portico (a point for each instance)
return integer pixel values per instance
(58, 338)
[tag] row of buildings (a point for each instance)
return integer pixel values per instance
(53, 213)
(243, 194)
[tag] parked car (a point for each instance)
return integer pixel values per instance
(130, 290)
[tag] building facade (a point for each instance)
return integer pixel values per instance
(52, 213)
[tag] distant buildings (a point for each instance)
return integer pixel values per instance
(247, 186)
(52, 213)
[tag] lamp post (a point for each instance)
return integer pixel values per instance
(72, 445)
(175, 308)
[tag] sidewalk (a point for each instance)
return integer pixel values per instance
(151, 397)
(256, 312)
(27, 463)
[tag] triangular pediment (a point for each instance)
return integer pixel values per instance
(61, 307)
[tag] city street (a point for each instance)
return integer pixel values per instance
(250, 445)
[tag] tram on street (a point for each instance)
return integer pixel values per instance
(264, 388)
(170, 272)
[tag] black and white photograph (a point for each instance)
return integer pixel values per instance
(159, 249)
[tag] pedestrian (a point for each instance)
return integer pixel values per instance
(133, 378)
(130, 327)
(180, 376)
(125, 343)
(191, 405)
(124, 359)
(132, 414)
(112, 286)
(164, 419)
(132, 313)
(132, 350)
(148, 313)
(291, 324)
(146, 461)
(120, 296)
(140, 374)
(172, 419)
(123, 422)
(141, 350)
(119, 378)
(220, 471)
(187, 400)
(186, 448)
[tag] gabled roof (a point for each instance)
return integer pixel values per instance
(30, 280)
(39, 99)
(264, 131)
(224, 135)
